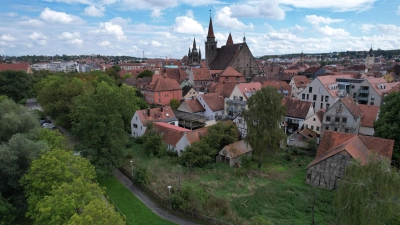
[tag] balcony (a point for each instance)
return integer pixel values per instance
(363, 91)
(360, 98)
(235, 102)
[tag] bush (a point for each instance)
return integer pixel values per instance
(141, 176)
(138, 140)
(172, 153)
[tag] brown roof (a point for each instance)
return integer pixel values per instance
(15, 66)
(297, 108)
(171, 134)
(231, 75)
(279, 85)
(308, 133)
(230, 72)
(210, 29)
(249, 88)
(352, 106)
(195, 135)
(301, 81)
(160, 83)
(214, 100)
(224, 88)
(172, 73)
(238, 148)
(370, 114)
(358, 146)
(201, 74)
(312, 70)
(195, 105)
(229, 41)
(320, 114)
(156, 115)
(225, 56)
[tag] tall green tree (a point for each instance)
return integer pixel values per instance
(53, 138)
(15, 84)
(388, 124)
(174, 104)
(50, 171)
(263, 115)
(7, 212)
(369, 194)
(145, 73)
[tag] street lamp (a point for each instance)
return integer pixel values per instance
(132, 169)
(169, 195)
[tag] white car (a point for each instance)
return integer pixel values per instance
(48, 126)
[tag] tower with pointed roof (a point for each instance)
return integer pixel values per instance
(194, 56)
(370, 59)
(210, 44)
(230, 40)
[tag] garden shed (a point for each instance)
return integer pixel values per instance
(232, 153)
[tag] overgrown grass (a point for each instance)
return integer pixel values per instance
(134, 210)
(277, 192)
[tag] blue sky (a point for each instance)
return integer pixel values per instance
(164, 28)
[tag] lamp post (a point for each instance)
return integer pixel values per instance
(132, 169)
(169, 195)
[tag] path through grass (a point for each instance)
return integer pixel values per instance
(135, 211)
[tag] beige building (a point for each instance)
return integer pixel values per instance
(314, 122)
(298, 84)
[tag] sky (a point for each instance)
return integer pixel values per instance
(166, 28)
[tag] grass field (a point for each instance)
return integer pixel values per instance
(275, 193)
(134, 210)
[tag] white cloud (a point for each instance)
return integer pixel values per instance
(388, 28)
(94, 11)
(316, 20)
(156, 13)
(7, 37)
(37, 35)
(60, 17)
(187, 25)
(201, 2)
(337, 5)
(335, 32)
(68, 35)
(298, 29)
(76, 41)
(11, 14)
(2, 43)
(105, 43)
(32, 23)
(109, 28)
(189, 14)
(224, 18)
(268, 9)
(121, 21)
(41, 42)
(86, 2)
(365, 28)
(156, 43)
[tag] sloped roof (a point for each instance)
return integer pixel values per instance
(279, 85)
(238, 148)
(195, 135)
(201, 74)
(249, 88)
(297, 108)
(352, 106)
(308, 133)
(320, 114)
(230, 72)
(370, 114)
(214, 100)
(195, 105)
(14, 66)
(156, 115)
(224, 88)
(301, 81)
(312, 70)
(160, 83)
(358, 146)
(225, 56)
(229, 41)
(171, 134)
(186, 89)
(210, 30)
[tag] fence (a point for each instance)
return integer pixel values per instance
(167, 204)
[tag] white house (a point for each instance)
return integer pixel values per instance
(314, 122)
(297, 112)
(142, 117)
(213, 104)
(298, 84)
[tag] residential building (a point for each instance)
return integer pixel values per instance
(192, 105)
(297, 112)
(141, 118)
(343, 116)
(199, 77)
(231, 75)
(162, 90)
(213, 104)
(314, 72)
(233, 153)
(314, 122)
(337, 150)
(188, 92)
(16, 67)
(284, 88)
(370, 114)
(298, 84)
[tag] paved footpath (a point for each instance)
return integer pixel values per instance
(149, 202)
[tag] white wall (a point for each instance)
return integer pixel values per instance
(316, 85)
(140, 128)
(369, 131)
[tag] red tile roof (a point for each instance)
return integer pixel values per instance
(237, 148)
(214, 100)
(156, 115)
(249, 88)
(297, 108)
(352, 106)
(301, 81)
(160, 83)
(201, 74)
(358, 146)
(320, 114)
(279, 85)
(195, 105)
(224, 88)
(370, 114)
(171, 134)
(196, 135)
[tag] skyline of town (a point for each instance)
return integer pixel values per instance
(119, 27)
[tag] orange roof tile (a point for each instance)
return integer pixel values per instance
(352, 106)
(278, 85)
(156, 115)
(195, 105)
(370, 114)
(301, 81)
(201, 74)
(238, 148)
(15, 66)
(160, 83)
(297, 108)
(171, 134)
(214, 100)
(249, 88)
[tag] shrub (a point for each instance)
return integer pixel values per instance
(141, 175)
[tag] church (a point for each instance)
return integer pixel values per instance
(237, 56)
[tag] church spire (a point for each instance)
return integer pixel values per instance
(194, 44)
(229, 41)
(189, 51)
(210, 29)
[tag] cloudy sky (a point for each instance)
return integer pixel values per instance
(166, 28)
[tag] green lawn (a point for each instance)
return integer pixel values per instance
(134, 210)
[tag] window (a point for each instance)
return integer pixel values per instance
(322, 105)
(354, 95)
(326, 98)
(315, 98)
(306, 125)
(312, 127)
(335, 129)
(241, 98)
(344, 120)
(141, 127)
(303, 96)
(327, 106)
(134, 125)
(136, 118)
(317, 128)
(352, 86)
(327, 128)
(372, 97)
(159, 100)
(313, 119)
(320, 90)
(346, 130)
(328, 118)
(337, 119)
(322, 98)
(307, 96)
(309, 89)
(372, 103)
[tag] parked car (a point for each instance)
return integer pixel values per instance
(44, 121)
(48, 126)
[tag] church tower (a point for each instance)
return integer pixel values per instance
(210, 44)
(194, 56)
(370, 59)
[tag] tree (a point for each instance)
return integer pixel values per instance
(145, 73)
(65, 201)
(265, 112)
(7, 212)
(97, 212)
(53, 138)
(198, 154)
(153, 144)
(15, 84)
(388, 124)
(369, 194)
(50, 171)
(174, 104)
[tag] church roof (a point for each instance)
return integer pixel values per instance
(210, 30)
(225, 56)
(230, 72)
(229, 41)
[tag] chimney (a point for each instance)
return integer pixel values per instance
(148, 112)
(162, 109)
